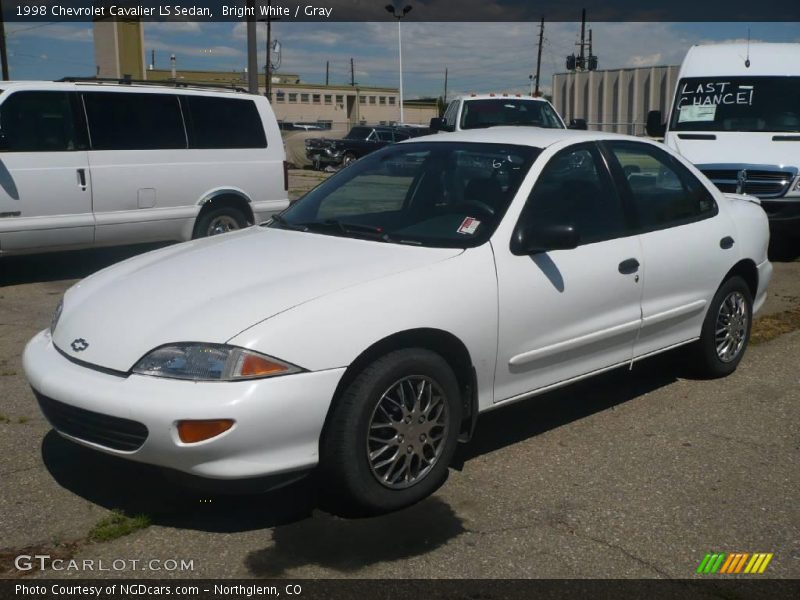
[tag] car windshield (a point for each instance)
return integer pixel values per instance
(358, 133)
(737, 104)
(438, 194)
(508, 111)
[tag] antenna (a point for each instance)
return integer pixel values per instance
(747, 60)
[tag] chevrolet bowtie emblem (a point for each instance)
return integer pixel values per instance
(79, 345)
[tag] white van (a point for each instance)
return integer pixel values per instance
(94, 164)
(736, 116)
(478, 111)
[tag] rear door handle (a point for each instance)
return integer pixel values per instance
(726, 243)
(629, 266)
(82, 178)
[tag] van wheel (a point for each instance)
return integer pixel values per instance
(220, 220)
(726, 330)
(393, 432)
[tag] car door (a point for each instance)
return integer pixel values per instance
(565, 313)
(45, 184)
(687, 243)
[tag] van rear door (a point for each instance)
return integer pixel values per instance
(45, 184)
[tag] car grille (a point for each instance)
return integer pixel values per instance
(104, 430)
(760, 183)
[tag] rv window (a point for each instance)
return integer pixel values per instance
(215, 122)
(38, 122)
(129, 121)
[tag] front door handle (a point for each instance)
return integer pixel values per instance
(629, 266)
(726, 243)
(82, 178)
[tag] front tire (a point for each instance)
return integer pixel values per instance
(348, 159)
(393, 432)
(726, 330)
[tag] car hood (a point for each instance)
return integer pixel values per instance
(210, 290)
(737, 148)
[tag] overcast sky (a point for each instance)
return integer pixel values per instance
(481, 57)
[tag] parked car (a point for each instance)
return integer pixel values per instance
(736, 116)
(397, 305)
(478, 111)
(360, 141)
(96, 164)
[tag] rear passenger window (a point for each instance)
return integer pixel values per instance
(38, 122)
(664, 192)
(574, 188)
(223, 123)
(129, 121)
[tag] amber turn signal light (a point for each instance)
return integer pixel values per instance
(258, 366)
(192, 432)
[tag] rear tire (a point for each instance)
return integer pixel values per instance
(385, 447)
(220, 220)
(726, 330)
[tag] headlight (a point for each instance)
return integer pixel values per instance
(211, 362)
(56, 317)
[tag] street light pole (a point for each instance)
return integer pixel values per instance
(399, 16)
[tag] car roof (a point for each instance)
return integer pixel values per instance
(536, 137)
(503, 96)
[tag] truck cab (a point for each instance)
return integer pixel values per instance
(736, 116)
(479, 111)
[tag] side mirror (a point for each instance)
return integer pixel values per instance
(578, 124)
(438, 124)
(655, 126)
(544, 238)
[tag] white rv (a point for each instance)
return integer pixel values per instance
(736, 116)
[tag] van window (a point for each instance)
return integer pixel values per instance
(215, 122)
(129, 121)
(737, 104)
(39, 122)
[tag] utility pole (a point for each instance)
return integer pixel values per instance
(327, 73)
(352, 74)
(3, 51)
(252, 52)
(268, 61)
(539, 58)
(582, 59)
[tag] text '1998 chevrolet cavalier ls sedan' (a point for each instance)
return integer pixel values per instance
(364, 329)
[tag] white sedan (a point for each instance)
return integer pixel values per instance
(364, 329)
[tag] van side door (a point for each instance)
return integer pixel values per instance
(45, 184)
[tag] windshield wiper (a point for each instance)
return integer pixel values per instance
(358, 229)
(280, 220)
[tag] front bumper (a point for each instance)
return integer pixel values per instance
(784, 216)
(324, 157)
(278, 421)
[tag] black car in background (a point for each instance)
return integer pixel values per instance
(360, 141)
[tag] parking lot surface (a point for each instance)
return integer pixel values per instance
(633, 474)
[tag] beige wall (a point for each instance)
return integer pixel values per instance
(119, 49)
(615, 100)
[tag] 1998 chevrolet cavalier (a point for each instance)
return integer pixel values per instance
(364, 329)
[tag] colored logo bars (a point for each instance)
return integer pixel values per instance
(736, 562)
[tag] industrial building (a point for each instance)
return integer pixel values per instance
(614, 100)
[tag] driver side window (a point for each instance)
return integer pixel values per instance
(575, 189)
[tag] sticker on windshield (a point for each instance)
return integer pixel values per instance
(469, 226)
(694, 113)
